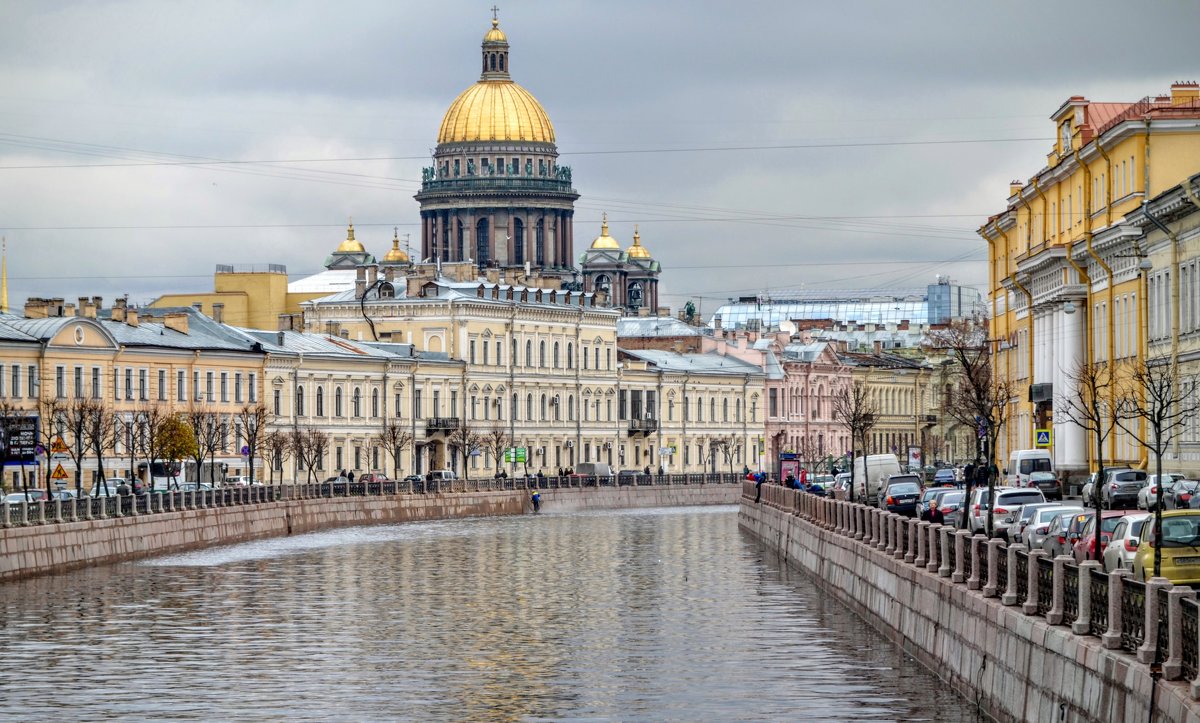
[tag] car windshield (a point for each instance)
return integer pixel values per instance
(1186, 485)
(1181, 531)
(1108, 524)
(953, 498)
(930, 494)
(904, 488)
(1050, 514)
(1019, 498)
(1134, 476)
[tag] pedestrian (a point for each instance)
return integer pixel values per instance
(969, 474)
(789, 481)
(536, 498)
(350, 476)
(803, 477)
(560, 471)
(660, 470)
(646, 471)
(758, 488)
(935, 513)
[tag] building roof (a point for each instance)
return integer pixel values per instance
(328, 281)
(707, 363)
(654, 327)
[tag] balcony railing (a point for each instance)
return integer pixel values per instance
(643, 426)
(434, 425)
(498, 183)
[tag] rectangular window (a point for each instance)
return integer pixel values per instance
(180, 386)
(60, 382)
(128, 383)
(143, 381)
(162, 385)
(79, 382)
(773, 403)
(437, 403)
(276, 402)
(416, 404)
(196, 386)
(31, 378)
(621, 405)
(237, 387)
(97, 388)
(209, 386)
(116, 383)
(635, 400)
(499, 355)
(472, 355)
(453, 403)
(16, 381)
(224, 386)
(253, 391)
(398, 406)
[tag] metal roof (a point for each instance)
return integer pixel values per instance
(707, 363)
(654, 326)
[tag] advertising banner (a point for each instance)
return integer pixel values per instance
(19, 440)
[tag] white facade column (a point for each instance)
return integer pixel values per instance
(1070, 442)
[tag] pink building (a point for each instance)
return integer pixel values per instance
(803, 377)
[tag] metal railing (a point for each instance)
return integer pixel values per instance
(1070, 594)
(1190, 631)
(1133, 615)
(1022, 576)
(1098, 621)
(1045, 584)
(1002, 570)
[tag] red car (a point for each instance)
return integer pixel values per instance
(1085, 547)
(373, 477)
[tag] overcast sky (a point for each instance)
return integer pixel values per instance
(641, 94)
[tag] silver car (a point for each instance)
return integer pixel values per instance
(1147, 498)
(1123, 546)
(1046, 531)
(1017, 530)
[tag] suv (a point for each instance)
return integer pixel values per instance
(977, 510)
(1121, 487)
(901, 493)
(1008, 507)
(443, 475)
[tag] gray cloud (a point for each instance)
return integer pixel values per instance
(262, 80)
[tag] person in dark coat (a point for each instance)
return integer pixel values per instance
(350, 476)
(758, 483)
(935, 514)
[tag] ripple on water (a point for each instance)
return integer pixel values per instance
(662, 614)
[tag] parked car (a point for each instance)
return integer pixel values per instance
(107, 487)
(1064, 531)
(1017, 529)
(1085, 547)
(337, 479)
(1121, 487)
(944, 476)
(1045, 522)
(841, 486)
(373, 477)
(30, 495)
(414, 478)
(1126, 536)
(1182, 494)
(239, 481)
(1148, 496)
(931, 498)
(1047, 483)
(951, 504)
(977, 509)
(1179, 543)
(1008, 508)
(194, 486)
(900, 494)
(64, 495)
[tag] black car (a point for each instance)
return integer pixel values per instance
(901, 494)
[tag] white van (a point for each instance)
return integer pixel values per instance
(594, 469)
(1024, 462)
(871, 473)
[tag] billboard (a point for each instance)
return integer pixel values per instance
(18, 440)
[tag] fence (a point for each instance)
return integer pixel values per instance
(1150, 620)
(76, 509)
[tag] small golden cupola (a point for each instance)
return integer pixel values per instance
(350, 246)
(637, 250)
(395, 255)
(604, 241)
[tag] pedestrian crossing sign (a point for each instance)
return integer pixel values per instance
(1042, 437)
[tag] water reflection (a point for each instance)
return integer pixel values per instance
(650, 615)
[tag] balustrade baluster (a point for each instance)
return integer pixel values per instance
(934, 548)
(1155, 587)
(1173, 660)
(1116, 588)
(959, 574)
(1012, 594)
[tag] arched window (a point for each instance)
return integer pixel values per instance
(514, 407)
(556, 355)
(557, 409)
(483, 246)
(712, 409)
(597, 365)
(320, 401)
(570, 356)
(686, 410)
(357, 402)
(502, 61)
(337, 402)
(699, 409)
(528, 353)
(518, 241)
(571, 407)
(299, 401)
(539, 243)
(374, 402)
(542, 354)
(492, 61)
(543, 407)
(529, 407)
(724, 410)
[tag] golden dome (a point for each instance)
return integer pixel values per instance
(350, 246)
(495, 35)
(395, 255)
(604, 241)
(637, 250)
(496, 110)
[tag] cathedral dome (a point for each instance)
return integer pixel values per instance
(495, 35)
(637, 250)
(395, 255)
(496, 110)
(350, 246)
(604, 241)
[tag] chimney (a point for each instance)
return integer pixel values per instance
(55, 306)
(131, 317)
(36, 308)
(360, 282)
(372, 274)
(1184, 92)
(1014, 187)
(68, 310)
(878, 346)
(82, 309)
(176, 321)
(118, 309)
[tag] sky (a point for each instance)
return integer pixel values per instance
(759, 146)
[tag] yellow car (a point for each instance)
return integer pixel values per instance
(1180, 545)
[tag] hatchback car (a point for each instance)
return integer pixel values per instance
(1148, 495)
(1085, 547)
(1179, 543)
(1123, 546)
(1047, 483)
(901, 494)
(1044, 523)
(944, 476)
(977, 509)
(1121, 488)
(1064, 531)
(30, 495)
(1008, 506)
(1027, 514)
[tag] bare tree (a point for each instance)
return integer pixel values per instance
(1153, 407)
(149, 419)
(395, 438)
(8, 413)
(977, 398)
(464, 438)
(496, 440)
(730, 447)
(309, 445)
(858, 413)
(206, 430)
(275, 447)
(49, 409)
(99, 433)
(252, 418)
(72, 424)
(1090, 410)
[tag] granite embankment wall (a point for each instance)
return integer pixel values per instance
(50, 547)
(1013, 664)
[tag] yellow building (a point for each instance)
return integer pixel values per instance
(1066, 283)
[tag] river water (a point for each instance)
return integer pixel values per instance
(665, 614)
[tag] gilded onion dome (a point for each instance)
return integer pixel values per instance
(395, 255)
(495, 108)
(350, 246)
(604, 241)
(637, 250)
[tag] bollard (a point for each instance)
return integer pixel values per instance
(900, 549)
(959, 575)
(885, 531)
(934, 548)
(1031, 582)
(1083, 620)
(1010, 594)
(1145, 651)
(944, 542)
(914, 534)
(922, 538)
(1173, 666)
(103, 506)
(857, 512)
(978, 548)
(992, 585)
(1055, 615)
(1116, 585)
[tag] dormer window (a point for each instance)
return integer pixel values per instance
(1064, 132)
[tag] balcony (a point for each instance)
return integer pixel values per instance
(643, 426)
(442, 425)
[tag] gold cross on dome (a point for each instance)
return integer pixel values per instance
(495, 11)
